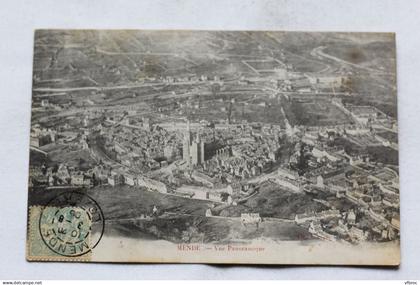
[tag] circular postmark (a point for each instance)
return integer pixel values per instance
(71, 224)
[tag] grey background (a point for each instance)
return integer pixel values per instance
(18, 19)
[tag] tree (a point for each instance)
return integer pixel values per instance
(302, 164)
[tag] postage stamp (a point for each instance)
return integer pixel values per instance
(63, 229)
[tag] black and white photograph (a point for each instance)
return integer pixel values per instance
(214, 146)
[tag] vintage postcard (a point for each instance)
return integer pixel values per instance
(252, 147)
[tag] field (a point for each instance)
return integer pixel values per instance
(305, 63)
(263, 65)
(261, 109)
(257, 113)
(392, 137)
(382, 53)
(273, 201)
(384, 154)
(380, 154)
(317, 113)
(185, 221)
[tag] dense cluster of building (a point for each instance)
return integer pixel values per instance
(222, 162)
